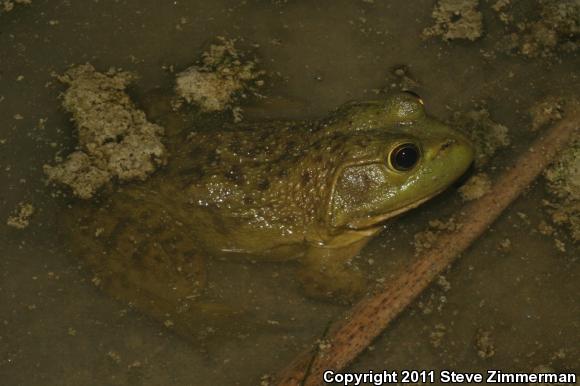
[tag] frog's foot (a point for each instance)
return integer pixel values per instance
(165, 284)
(142, 257)
(335, 282)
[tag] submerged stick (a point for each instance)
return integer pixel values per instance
(348, 337)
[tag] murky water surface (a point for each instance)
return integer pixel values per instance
(57, 328)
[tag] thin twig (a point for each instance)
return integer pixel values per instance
(349, 336)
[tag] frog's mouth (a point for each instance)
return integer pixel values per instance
(373, 221)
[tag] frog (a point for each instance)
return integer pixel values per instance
(315, 192)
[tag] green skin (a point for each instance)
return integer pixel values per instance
(312, 191)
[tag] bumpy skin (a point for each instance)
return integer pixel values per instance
(313, 191)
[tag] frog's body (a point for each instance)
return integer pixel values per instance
(313, 191)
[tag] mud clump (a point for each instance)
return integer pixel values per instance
(456, 19)
(563, 175)
(223, 75)
(424, 240)
(484, 344)
(8, 5)
(500, 7)
(555, 29)
(21, 217)
(437, 335)
(477, 186)
(563, 181)
(547, 111)
(115, 139)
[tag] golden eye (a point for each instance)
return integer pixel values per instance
(414, 94)
(404, 157)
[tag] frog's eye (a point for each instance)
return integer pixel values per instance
(404, 157)
(414, 94)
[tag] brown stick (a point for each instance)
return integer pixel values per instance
(369, 317)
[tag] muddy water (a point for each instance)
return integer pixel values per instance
(515, 309)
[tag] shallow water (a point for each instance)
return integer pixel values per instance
(57, 328)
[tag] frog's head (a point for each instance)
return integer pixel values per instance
(403, 160)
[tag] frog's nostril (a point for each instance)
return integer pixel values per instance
(446, 144)
(440, 151)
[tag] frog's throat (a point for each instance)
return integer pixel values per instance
(366, 228)
(373, 221)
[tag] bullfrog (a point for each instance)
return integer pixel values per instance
(311, 191)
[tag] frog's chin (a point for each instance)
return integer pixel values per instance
(373, 221)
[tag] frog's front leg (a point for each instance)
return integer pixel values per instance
(328, 273)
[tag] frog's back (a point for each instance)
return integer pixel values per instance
(245, 155)
(243, 187)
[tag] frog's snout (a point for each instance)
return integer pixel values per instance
(453, 153)
(461, 150)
